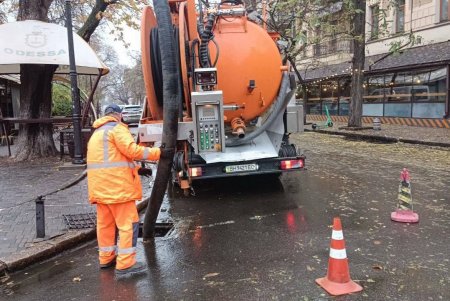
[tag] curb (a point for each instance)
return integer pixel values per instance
(386, 139)
(64, 242)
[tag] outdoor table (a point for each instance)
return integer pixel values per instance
(5, 121)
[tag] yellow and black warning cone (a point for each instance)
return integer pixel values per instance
(404, 212)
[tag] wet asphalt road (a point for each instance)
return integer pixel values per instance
(264, 238)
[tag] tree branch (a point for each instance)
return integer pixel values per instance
(94, 18)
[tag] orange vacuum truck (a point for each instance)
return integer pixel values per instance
(234, 97)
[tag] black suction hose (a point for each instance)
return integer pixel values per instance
(170, 116)
(280, 104)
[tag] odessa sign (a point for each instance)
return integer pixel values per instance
(34, 53)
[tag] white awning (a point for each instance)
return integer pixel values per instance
(36, 42)
(11, 77)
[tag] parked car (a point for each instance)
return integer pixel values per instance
(131, 114)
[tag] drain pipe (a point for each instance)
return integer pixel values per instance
(170, 116)
(281, 103)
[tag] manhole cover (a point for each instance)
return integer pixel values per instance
(89, 220)
(161, 229)
(80, 221)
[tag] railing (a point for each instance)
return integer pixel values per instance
(333, 46)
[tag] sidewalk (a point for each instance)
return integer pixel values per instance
(390, 133)
(20, 184)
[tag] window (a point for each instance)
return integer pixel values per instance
(344, 97)
(445, 10)
(329, 97)
(375, 22)
(313, 105)
(400, 16)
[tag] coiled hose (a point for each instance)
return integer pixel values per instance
(155, 57)
(280, 104)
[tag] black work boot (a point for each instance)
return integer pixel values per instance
(108, 265)
(134, 269)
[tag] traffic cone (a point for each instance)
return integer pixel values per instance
(338, 282)
(404, 212)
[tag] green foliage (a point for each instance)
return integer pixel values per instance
(397, 45)
(61, 100)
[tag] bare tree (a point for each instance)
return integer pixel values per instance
(35, 140)
(134, 81)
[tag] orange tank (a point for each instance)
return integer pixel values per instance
(249, 67)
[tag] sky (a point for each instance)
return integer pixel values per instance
(131, 36)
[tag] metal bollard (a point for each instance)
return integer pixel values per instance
(377, 124)
(40, 217)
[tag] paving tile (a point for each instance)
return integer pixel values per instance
(26, 181)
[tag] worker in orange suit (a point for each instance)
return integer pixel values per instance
(114, 185)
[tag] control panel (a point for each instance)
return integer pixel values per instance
(207, 109)
(205, 76)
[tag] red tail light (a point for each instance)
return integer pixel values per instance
(292, 164)
(195, 172)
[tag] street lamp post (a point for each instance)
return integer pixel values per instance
(76, 112)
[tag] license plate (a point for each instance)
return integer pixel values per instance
(241, 168)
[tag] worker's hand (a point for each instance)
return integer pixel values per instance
(158, 153)
(146, 172)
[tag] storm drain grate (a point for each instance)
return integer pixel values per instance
(80, 221)
(162, 229)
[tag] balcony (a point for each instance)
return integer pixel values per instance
(332, 47)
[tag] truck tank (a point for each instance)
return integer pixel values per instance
(249, 67)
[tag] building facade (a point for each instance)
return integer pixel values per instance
(410, 86)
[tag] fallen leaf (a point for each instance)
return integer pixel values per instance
(377, 267)
(210, 275)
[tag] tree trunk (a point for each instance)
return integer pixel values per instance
(356, 92)
(36, 139)
(33, 10)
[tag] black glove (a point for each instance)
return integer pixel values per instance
(146, 172)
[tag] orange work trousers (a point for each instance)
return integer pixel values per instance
(124, 218)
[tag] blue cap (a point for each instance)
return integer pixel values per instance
(112, 108)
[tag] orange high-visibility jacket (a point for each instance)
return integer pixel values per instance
(111, 173)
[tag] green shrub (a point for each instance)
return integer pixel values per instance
(62, 100)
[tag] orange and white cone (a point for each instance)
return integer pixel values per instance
(338, 282)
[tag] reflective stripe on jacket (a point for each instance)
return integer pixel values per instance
(112, 175)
